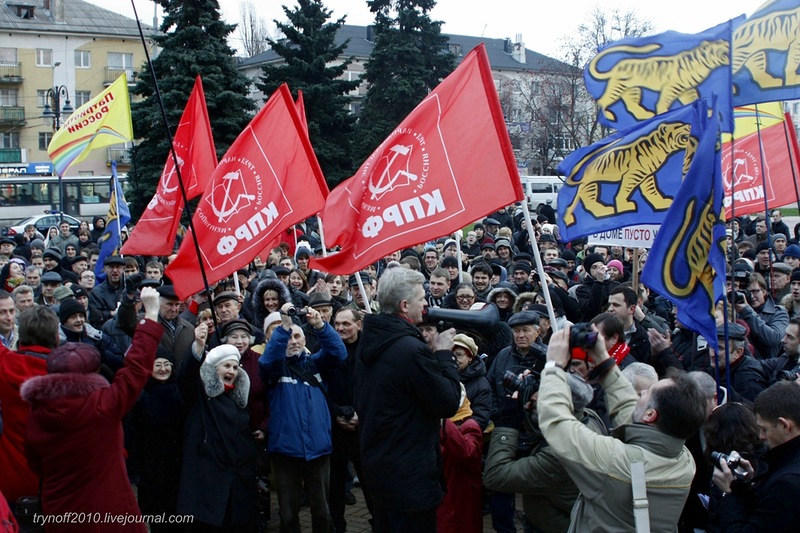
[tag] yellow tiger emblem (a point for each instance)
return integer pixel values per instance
(632, 166)
(674, 77)
(778, 33)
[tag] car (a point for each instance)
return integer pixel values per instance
(43, 223)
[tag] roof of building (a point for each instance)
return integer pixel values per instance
(79, 17)
(499, 58)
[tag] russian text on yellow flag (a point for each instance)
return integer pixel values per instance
(103, 121)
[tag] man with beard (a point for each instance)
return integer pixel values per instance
(403, 390)
(482, 279)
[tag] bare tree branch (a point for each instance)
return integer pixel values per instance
(252, 29)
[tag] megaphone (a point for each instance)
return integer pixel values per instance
(482, 322)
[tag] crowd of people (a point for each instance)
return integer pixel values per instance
(282, 382)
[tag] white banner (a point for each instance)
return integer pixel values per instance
(641, 236)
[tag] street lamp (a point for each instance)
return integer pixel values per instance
(54, 113)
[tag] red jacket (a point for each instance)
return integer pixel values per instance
(461, 510)
(17, 479)
(75, 438)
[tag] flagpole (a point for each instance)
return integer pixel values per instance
(157, 94)
(766, 202)
(459, 256)
(322, 237)
(792, 162)
(363, 292)
(539, 267)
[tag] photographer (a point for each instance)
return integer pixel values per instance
(548, 493)
(766, 320)
(768, 502)
(650, 435)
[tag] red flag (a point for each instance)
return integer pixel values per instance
(763, 162)
(448, 163)
(268, 180)
(194, 147)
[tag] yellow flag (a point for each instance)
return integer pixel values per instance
(103, 121)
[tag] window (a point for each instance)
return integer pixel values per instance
(119, 62)
(23, 11)
(83, 59)
(8, 97)
(8, 56)
(9, 139)
(41, 98)
(44, 139)
(44, 57)
(82, 97)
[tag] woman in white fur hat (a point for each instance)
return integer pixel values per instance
(218, 479)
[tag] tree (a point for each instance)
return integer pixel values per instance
(409, 59)
(193, 42)
(252, 29)
(312, 64)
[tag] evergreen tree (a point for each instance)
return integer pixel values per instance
(193, 41)
(308, 50)
(409, 59)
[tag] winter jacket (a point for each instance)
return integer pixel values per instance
(600, 465)
(300, 423)
(461, 509)
(17, 480)
(402, 392)
(748, 379)
(592, 296)
(773, 505)
(111, 355)
(218, 477)
(256, 301)
(767, 327)
(75, 441)
(510, 359)
(104, 298)
(479, 391)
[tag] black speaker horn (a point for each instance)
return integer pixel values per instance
(482, 322)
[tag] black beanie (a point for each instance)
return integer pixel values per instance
(591, 259)
(69, 307)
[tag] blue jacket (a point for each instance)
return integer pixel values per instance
(300, 423)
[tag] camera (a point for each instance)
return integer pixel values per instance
(788, 375)
(582, 336)
(739, 297)
(526, 385)
(293, 311)
(346, 411)
(741, 277)
(732, 461)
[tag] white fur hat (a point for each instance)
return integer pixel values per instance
(222, 353)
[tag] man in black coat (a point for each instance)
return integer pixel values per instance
(748, 378)
(767, 502)
(402, 391)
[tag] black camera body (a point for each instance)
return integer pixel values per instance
(293, 311)
(741, 279)
(526, 385)
(733, 462)
(582, 336)
(740, 297)
(788, 375)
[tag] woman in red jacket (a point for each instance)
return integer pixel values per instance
(74, 439)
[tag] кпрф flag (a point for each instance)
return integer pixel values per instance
(118, 216)
(627, 178)
(448, 163)
(686, 264)
(102, 121)
(197, 159)
(766, 54)
(267, 181)
(637, 78)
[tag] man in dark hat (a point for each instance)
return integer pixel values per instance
(74, 328)
(593, 293)
(106, 296)
(492, 226)
(369, 288)
(7, 246)
(323, 304)
(52, 263)
(748, 378)
(520, 274)
(50, 282)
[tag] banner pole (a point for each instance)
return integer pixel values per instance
(363, 291)
(539, 267)
(459, 256)
(322, 237)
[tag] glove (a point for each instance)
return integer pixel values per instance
(510, 414)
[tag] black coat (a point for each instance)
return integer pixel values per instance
(402, 392)
(748, 379)
(773, 506)
(479, 391)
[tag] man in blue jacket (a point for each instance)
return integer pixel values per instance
(300, 422)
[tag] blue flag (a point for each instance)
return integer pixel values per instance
(118, 216)
(687, 261)
(637, 78)
(627, 178)
(765, 54)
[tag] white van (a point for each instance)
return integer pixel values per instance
(540, 189)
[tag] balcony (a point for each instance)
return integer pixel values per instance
(112, 73)
(11, 73)
(12, 116)
(11, 155)
(121, 155)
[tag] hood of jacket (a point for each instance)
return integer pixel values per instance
(475, 369)
(380, 332)
(214, 386)
(50, 394)
(257, 298)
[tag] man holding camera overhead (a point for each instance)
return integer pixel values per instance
(641, 475)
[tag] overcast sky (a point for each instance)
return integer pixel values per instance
(542, 26)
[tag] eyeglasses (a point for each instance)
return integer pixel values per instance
(753, 292)
(465, 297)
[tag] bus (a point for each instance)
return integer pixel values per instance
(23, 196)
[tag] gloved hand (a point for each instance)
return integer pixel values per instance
(510, 414)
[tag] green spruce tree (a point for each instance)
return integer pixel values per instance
(410, 58)
(193, 42)
(312, 66)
